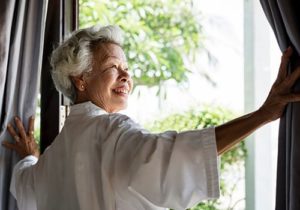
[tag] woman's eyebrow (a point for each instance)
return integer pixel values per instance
(109, 59)
(107, 56)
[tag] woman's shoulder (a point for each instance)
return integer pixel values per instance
(114, 124)
(112, 119)
(120, 119)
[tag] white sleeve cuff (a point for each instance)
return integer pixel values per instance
(22, 164)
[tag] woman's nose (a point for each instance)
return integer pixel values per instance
(124, 75)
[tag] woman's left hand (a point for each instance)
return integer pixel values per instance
(280, 94)
(24, 142)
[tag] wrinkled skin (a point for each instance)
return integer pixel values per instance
(109, 83)
(24, 141)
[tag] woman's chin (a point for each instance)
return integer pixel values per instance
(121, 105)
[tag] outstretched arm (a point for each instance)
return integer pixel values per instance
(228, 134)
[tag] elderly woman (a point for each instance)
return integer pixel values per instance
(102, 160)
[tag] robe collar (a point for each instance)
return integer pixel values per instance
(86, 108)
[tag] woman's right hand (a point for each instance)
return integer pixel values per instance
(24, 143)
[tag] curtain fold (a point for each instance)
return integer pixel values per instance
(284, 18)
(22, 25)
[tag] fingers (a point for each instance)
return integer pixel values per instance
(24, 144)
(285, 58)
(31, 126)
(20, 127)
(8, 145)
(22, 133)
(292, 78)
(13, 133)
(293, 97)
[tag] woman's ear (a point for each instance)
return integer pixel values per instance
(78, 82)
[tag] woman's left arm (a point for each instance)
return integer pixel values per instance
(280, 95)
(229, 134)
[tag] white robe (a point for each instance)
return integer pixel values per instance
(102, 161)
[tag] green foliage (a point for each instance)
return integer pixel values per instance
(157, 34)
(208, 117)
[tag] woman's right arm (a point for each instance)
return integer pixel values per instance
(22, 181)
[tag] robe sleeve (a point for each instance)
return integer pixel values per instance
(170, 169)
(22, 183)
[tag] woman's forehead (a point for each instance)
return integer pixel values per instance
(109, 51)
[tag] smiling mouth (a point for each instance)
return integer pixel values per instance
(121, 91)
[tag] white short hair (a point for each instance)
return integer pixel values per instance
(74, 55)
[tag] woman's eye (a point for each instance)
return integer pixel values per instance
(113, 67)
(110, 68)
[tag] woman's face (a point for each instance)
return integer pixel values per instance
(109, 82)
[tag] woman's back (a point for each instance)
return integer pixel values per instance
(102, 161)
